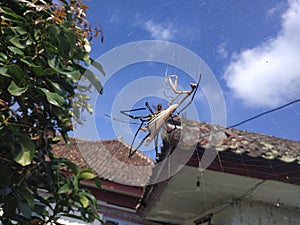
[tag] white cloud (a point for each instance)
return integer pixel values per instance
(222, 50)
(160, 31)
(269, 74)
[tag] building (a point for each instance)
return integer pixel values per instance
(205, 174)
(122, 189)
(233, 177)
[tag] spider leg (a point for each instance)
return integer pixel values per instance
(127, 113)
(143, 120)
(121, 120)
(140, 144)
(172, 119)
(132, 110)
(135, 135)
(149, 107)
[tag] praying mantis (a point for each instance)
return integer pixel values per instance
(152, 123)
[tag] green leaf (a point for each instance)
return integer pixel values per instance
(24, 191)
(16, 50)
(14, 90)
(94, 80)
(28, 61)
(70, 72)
(3, 72)
(75, 183)
(48, 71)
(52, 97)
(89, 108)
(88, 62)
(16, 42)
(98, 182)
(64, 135)
(98, 66)
(17, 73)
(25, 209)
(91, 197)
(19, 30)
(87, 46)
(55, 140)
(86, 174)
(10, 15)
(3, 57)
(53, 63)
(37, 69)
(86, 57)
(56, 86)
(73, 75)
(84, 201)
(75, 169)
(49, 171)
(64, 47)
(27, 150)
(81, 54)
(64, 189)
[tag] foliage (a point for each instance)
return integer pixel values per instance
(44, 49)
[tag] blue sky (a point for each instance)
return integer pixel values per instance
(252, 48)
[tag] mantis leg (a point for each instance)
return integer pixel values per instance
(195, 90)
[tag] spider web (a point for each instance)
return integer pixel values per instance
(223, 34)
(160, 21)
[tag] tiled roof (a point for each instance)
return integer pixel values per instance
(238, 141)
(109, 159)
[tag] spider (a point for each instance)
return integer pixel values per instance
(153, 122)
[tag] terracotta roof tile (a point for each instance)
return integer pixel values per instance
(109, 159)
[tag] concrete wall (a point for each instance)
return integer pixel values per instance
(254, 213)
(247, 213)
